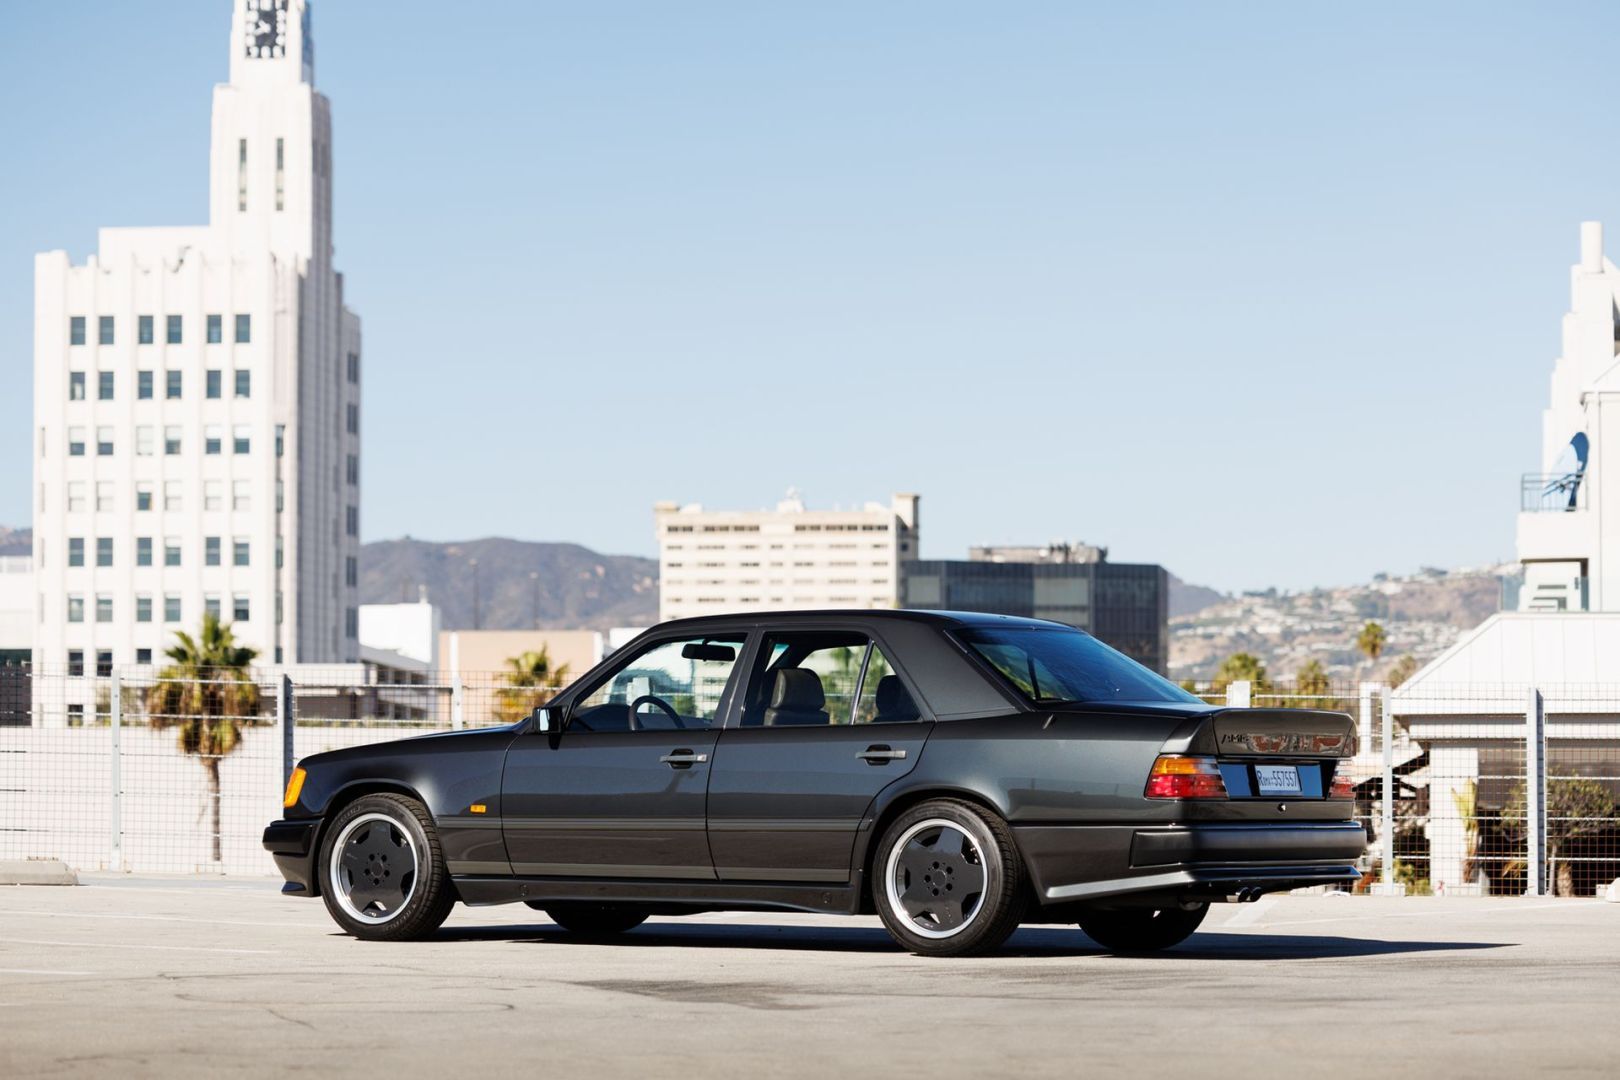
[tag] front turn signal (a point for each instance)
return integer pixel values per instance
(295, 787)
(1181, 776)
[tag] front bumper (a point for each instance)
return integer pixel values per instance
(292, 845)
(1080, 862)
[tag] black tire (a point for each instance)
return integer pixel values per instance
(915, 872)
(1142, 930)
(394, 885)
(592, 920)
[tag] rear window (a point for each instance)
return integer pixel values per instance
(1052, 666)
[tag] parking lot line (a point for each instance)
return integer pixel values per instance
(124, 945)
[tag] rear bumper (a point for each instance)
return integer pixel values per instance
(1078, 862)
(292, 845)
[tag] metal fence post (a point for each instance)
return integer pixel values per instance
(1535, 794)
(1239, 694)
(284, 714)
(116, 779)
(1386, 810)
(455, 702)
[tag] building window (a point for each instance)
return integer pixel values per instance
(172, 498)
(104, 495)
(172, 384)
(143, 656)
(76, 662)
(351, 571)
(76, 330)
(241, 175)
(143, 332)
(280, 554)
(75, 608)
(216, 329)
(354, 367)
(210, 551)
(281, 439)
(75, 551)
(104, 441)
(75, 386)
(281, 495)
(281, 173)
(213, 495)
(354, 419)
(214, 384)
(143, 607)
(104, 330)
(351, 622)
(104, 550)
(241, 439)
(171, 439)
(143, 385)
(145, 440)
(143, 495)
(213, 438)
(75, 495)
(244, 329)
(171, 551)
(354, 469)
(76, 439)
(143, 551)
(241, 495)
(104, 662)
(176, 325)
(244, 384)
(211, 605)
(352, 520)
(104, 609)
(104, 386)
(240, 550)
(240, 611)
(171, 608)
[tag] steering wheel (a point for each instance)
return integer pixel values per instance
(653, 699)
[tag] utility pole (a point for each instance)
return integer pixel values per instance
(478, 621)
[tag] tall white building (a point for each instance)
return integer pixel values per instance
(1569, 520)
(197, 397)
(714, 561)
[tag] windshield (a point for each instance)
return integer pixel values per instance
(1050, 666)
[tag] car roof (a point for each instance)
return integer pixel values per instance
(941, 619)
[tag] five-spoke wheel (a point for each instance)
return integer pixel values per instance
(947, 879)
(382, 873)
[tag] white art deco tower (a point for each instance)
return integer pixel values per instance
(197, 397)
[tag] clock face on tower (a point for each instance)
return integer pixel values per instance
(264, 29)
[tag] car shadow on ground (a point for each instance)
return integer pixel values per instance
(1035, 941)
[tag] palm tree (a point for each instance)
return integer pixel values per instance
(206, 693)
(1404, 669)
(1241, 667)
(530, 682)
(1371, 641)
(1313, 686)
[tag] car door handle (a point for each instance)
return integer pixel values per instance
(683, 759)
(877, 755)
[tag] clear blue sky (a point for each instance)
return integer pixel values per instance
(1267, 293)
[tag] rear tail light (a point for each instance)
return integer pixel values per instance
(1344, 785)
(1178, 776)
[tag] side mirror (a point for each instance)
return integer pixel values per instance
(547, 720)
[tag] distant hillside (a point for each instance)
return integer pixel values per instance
(576, 588)
(1188, 599)
(16, 541)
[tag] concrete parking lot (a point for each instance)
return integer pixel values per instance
(226, 978)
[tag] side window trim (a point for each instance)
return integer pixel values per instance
(760, 633)
(582, 690)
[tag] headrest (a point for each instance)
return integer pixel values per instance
(797, 690)
(892, 699)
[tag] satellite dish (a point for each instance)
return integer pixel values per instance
(1564, 485)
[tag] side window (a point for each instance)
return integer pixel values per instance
(884, 698)
(813, 679)
(668, 686)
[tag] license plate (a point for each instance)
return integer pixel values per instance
(1277, 779)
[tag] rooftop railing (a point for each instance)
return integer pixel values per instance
(1552, 492)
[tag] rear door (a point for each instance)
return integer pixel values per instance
(826, 722)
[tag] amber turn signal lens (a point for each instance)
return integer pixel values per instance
(295, 787)
(1179, 776)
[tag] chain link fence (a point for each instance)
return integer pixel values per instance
(1462, 790)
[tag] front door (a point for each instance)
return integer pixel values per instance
(826, 724)
(620, 792)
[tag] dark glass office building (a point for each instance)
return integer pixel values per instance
(1125, 604)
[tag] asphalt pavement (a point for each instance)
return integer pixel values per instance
(185, 977)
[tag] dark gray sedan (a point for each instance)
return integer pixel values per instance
(957, 774)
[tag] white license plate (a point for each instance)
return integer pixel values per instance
(1277, 779)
